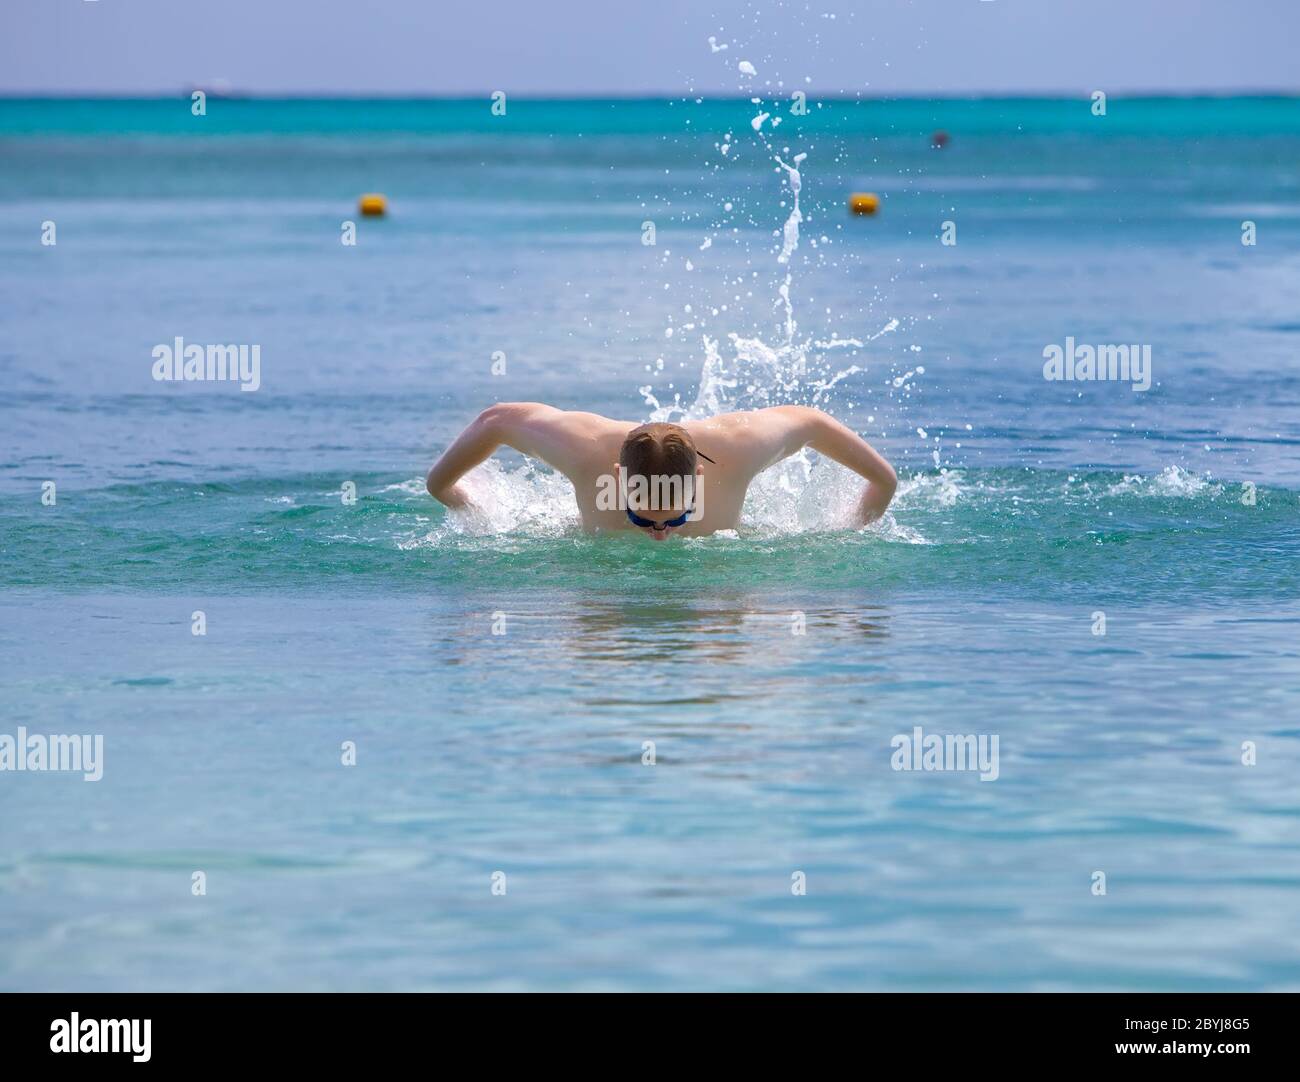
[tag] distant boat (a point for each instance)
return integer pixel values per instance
(217, 88)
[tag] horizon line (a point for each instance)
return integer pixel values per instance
(235, 94)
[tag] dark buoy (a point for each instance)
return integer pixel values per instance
(939, 140)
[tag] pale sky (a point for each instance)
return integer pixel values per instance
(586, 47)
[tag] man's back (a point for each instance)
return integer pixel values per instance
(586, 448)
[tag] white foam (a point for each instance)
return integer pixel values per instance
(530, 500)
(941, 489)
(1171, 481)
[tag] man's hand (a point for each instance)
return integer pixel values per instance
(874, 502)
(803, 426)
(455, 496)
(557, 437)
(472, 447)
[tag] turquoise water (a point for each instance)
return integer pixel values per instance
(1026, 508)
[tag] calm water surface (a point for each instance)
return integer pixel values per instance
(1026, 509)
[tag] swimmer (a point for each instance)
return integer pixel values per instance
(712, 462)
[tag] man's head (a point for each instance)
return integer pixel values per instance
(660, 469)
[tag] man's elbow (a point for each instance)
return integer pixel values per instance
(884, 487)
(498, 420)
(495, 415)
(439, 487)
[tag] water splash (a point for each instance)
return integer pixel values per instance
(1172, 481)
(530, 500)
(802, 493)
(790, 231)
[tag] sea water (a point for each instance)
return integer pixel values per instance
(608, 764)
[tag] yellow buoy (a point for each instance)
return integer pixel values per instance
(864, 202)
(373, 205)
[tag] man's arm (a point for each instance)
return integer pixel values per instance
(534, 429)
(785, 430)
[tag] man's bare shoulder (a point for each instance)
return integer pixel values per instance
(744, 424)
(595, 422)
(537, 416)
(540, 414)
(752, 440)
